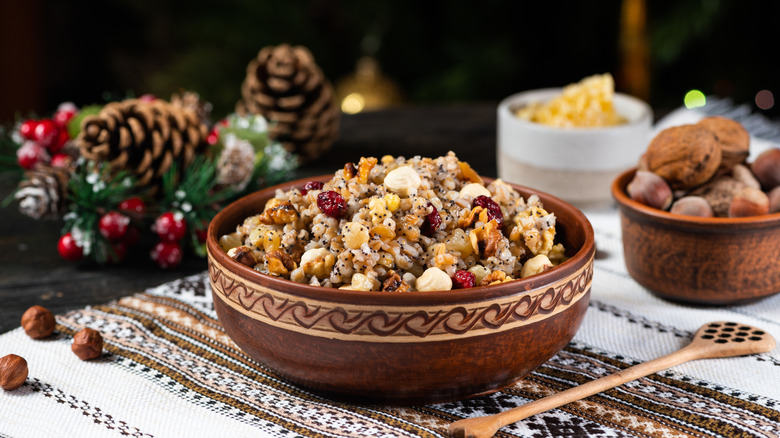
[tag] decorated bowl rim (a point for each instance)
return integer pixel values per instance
(577, 262)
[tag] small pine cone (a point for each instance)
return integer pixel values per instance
(285, 85)
(143, 138)
(42, 194)
(236, 163)
(192, 100)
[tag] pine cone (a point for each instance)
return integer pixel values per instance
(143, 138)
(285, 85)
(43, 192)
(192, 100)
(236, 163)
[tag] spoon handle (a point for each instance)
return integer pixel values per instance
(513, 415)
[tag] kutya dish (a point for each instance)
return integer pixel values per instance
(700, 260)
(409, 347)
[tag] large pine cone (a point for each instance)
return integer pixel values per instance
(143, 137)
(43, 193)
(285, 85)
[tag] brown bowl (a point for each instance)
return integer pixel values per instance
(402, 348)
(714, 261)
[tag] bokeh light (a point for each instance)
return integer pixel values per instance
(765, 99)
(694, 99)
(353, 103)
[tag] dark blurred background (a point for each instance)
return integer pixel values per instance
(436, 51)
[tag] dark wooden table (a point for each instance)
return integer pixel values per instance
(31, 271)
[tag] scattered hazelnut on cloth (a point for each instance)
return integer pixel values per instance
(13, 372)
(38, 322)
(87, 344)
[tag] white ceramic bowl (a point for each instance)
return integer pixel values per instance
(577, 165)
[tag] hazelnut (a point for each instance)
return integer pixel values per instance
(749, 202)
(774, 200)
(403, 181)
(13, 372)
(242, 254)
(685, 156)
(692, 206)
(743, 174)
(473, 190)
(650, 189)
(433, 279)
(536, 265)
(766, 168)
(38, 322)
(87, 344)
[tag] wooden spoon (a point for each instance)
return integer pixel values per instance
(715, 339)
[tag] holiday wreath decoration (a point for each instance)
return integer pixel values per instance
(135, 168)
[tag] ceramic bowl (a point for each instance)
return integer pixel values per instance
(577, 165)
(713, 261)
(402, 348)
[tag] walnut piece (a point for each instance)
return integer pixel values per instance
(279, 214)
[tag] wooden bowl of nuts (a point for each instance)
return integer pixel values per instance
(699, 218)
(412, 339)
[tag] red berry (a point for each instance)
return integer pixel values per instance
(493, 209)
(463, 280)
(59, 142)
(113, 225)
(332, 204)
(311, 185)
(46, 133)
(27, 129)
(148, 97)
(170, 226)
(61, 160)
(68, 248)
(131, 237)
(31, 153)
(431, 222)
(167, 254)
(213, 137)
(133, 206)
(65, 112)
(117, 252)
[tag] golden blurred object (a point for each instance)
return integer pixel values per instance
(367, 89)
(634, 75)
(585, 104)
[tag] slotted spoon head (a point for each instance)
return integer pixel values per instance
(726, 338)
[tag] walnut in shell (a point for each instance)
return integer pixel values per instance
(733, 138)
(685, 156)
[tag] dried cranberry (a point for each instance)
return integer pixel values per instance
(331, 203)
(463, 280)
(311, 185)
(493, 209)
(431, 222)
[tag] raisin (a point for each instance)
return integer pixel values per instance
(431, 222)
(492, 207)
(311, 185)
(332, 204)
(463, 280)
